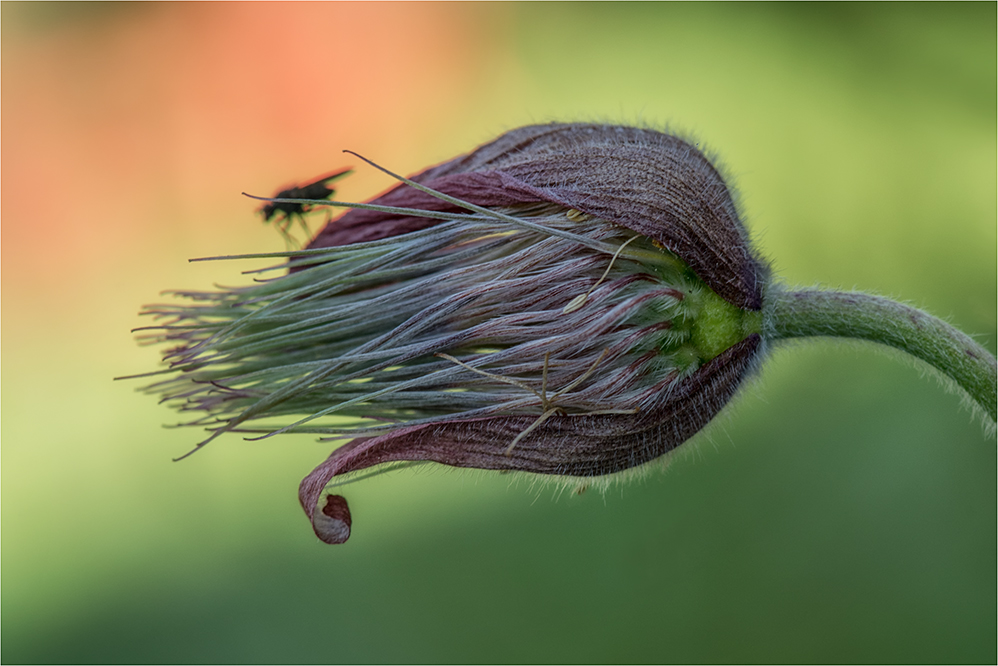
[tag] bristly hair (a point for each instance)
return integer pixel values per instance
(470, 318)
(568, 300)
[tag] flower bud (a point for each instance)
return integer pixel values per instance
(569, 299)
(654, 184)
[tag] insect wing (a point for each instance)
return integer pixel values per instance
(322, 180)
(317, 189)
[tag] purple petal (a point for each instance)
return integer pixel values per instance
(652, 183)
(578, 445)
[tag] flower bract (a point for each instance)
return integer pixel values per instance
(569, 299)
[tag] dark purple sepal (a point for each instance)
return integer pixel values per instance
(652, 183)
(585, 445)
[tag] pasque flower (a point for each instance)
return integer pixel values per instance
(569, 299)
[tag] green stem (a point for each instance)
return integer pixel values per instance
(812, 312)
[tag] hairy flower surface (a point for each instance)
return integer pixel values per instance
(569, 299)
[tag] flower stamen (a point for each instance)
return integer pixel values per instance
(581, 299)
(502, 378)
(548, 404)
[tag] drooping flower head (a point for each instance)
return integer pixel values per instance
(569, 299)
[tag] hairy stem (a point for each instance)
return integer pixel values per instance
(813, 312)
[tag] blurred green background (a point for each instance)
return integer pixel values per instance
(843, 511)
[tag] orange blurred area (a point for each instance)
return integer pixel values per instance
(140, 125)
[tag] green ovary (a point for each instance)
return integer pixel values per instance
(703, 325)
(717, 324)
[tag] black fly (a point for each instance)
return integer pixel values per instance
(284, 214)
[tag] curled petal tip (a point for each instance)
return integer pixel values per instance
(332, 522)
